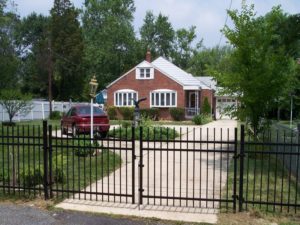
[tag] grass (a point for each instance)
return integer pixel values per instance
(21, 161)
(269, 177)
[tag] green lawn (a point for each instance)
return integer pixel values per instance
(21, 161)
(270, 177)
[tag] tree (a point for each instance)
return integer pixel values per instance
(110, 44)
(207, 59)
(67, 51)
(259, 69)
(8, 55)
(32, 38)
(183, 47)
(13, 101)
(157, 34)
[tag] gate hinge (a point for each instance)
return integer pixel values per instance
(141, 165)
(141, 190)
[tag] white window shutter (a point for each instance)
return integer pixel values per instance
(137, 73)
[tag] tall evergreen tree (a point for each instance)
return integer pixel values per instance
(111, 47)
(67, 50)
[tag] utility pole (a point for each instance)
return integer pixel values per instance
(50, 73)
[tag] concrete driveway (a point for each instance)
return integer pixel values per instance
(187, 174)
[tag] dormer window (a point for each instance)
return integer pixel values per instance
(144, 73)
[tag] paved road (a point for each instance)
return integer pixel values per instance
(11, 214)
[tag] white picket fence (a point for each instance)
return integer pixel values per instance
(40, 110)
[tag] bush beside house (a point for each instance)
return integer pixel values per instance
(177, 114)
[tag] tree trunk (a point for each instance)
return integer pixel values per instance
(278, 113)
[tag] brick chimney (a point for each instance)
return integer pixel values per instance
(148, 56)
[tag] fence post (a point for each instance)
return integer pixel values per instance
(133, 163)
(235, 169)
(45, 151)
(43, 111)
(242, 155)
(141, 168)
(50, 162)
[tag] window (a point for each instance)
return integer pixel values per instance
(124, 97)
(145, 73)
(163, 98)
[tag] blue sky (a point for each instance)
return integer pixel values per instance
(207, 15)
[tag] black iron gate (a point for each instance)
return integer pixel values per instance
(190, 171)
(204, 168)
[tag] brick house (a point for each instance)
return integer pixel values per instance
(164, 84)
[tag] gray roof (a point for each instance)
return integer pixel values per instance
(208, 81)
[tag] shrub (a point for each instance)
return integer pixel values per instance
(126, 123)
(202, 119)
(151, 113)
(58, 163)
(206, 109)
(149, 133)
(9, 124)
(112, 112)
(126, 112)
(31, 177)
(55, 115)
(177, 114)
(84, 148)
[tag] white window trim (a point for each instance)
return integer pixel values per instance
(163, 91)
(138, 73)
(126, 92)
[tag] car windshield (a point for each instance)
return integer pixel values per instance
(86, 110)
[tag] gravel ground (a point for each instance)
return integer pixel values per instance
(11, 214)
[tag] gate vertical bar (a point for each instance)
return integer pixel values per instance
(235, 169)
(45, 151)
(241, 183)
(50, 162)
(141, 168)
(133, 164)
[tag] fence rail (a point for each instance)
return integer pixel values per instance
(192, 167)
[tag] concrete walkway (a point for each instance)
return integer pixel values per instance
(187, 174)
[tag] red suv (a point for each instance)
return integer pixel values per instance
(78, 120)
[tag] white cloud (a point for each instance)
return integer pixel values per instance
(208, 16)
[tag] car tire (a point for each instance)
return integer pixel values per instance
(74, 131)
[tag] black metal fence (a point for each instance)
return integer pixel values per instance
(270, 171)
(180, 167)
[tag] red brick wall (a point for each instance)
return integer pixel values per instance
(209, 94)
(144, 87)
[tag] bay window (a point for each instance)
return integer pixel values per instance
(124, 97)
(163, 98)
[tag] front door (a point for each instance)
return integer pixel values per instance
(192, 100)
